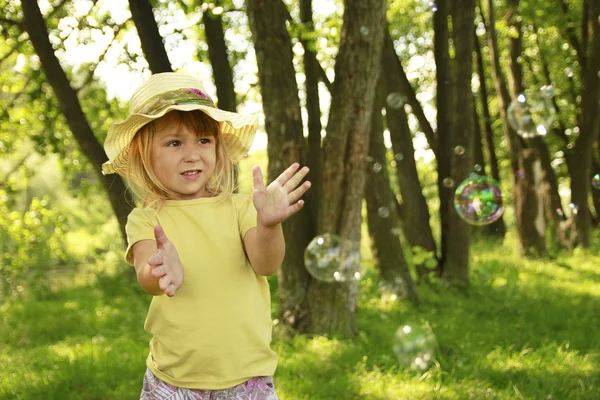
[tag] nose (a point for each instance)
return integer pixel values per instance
(191, 154)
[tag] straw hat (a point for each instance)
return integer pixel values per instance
(174, 91)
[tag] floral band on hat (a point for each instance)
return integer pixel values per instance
(177, 97)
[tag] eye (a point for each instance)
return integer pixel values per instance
(204, 140)
(173, 143)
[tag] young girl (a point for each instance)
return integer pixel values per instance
(200, 250)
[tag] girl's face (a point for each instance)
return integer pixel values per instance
(182, 160)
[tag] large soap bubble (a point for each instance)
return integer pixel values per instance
(415, 346)
(478, 200)
(532, 115)
(330, 258)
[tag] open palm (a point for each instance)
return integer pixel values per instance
(276, 202)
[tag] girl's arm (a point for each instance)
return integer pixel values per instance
(265, 247)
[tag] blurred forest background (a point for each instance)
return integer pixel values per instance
(397, 107)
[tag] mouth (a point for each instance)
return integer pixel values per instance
(191, 174)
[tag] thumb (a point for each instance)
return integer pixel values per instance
(257, 178)
(159, 235)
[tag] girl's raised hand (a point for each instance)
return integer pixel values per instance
(165, 263)
(276, 202)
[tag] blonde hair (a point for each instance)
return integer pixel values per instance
(141, 177)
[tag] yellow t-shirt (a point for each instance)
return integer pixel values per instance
(215, 332)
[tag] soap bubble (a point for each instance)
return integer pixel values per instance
(459, 150)
(478, 168)
(448, 182)
(330, 258)
(414, 346)
(478, 200)
(395, 100)
(364, 30)
(532, 115)
(377, 167)
(383, 212)
(596, 181)
(399, 156)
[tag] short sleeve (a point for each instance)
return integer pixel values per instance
(139, 227)
(246, 214)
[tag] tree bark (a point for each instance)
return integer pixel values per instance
(497, 228)
(332, 307)
(151, 41)
(456, 259)
(313, 110)
(383, 221)
(590, 127)
(219, 61)
(286, 144)
(444, 103)
(525, 226)
(119, 197)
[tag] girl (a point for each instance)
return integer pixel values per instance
(200, 250)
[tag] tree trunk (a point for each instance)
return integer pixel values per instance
(590, 126)
(286, 144)
(331, 307)
(444, 104)
(151, 41)
(219, 61)
(525, 226)
(498, 227)
(313, 110)
(414, 212)
(529, 206)
(383, 220)
(118, 195)
(456, 259)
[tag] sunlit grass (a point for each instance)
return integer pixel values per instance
(523, 329)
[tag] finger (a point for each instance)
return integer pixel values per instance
(296, 194)
(296, 179)
(159, 235)
(257, 178)
(164, 282)
(294, 208)
(287, 174)
(158, 271)
(170, 290)
(155, 260)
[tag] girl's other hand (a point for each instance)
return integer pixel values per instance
(276, 202)
(165, 264)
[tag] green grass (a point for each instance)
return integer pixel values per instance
(523, 329)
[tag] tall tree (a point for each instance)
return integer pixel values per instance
(119, 197)
(456, 257)
(413, 209)
(283, 123)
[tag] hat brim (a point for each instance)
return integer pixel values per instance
(237, 133)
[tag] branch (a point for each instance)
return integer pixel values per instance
(15, 168)
(571, 34)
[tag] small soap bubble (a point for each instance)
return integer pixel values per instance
(369, 159)
(433, 6)
(574, 209)
(596, 181)
(377, 167)
(364, 30)
(448, 182)
(478, 200)
(478, 168)
(399, 156)
(459, 150)
(395, 100)
(383, 212)
(521, 174)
